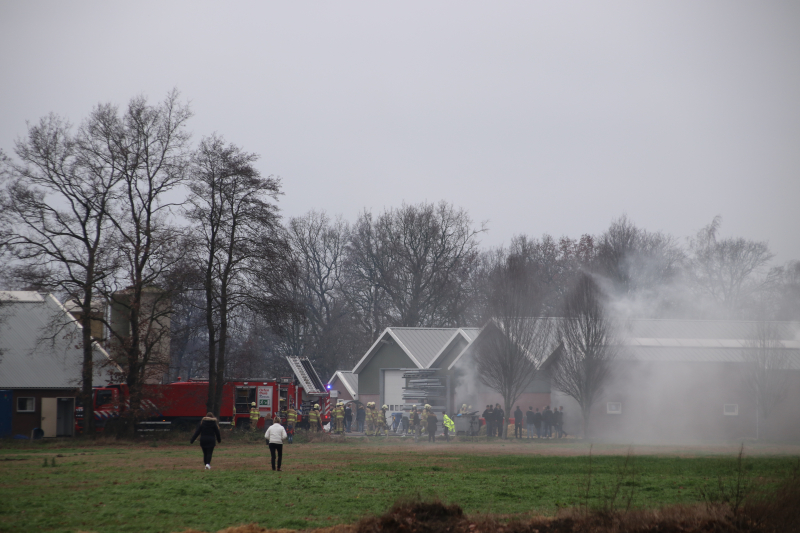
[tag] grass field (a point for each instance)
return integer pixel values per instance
(161, 486)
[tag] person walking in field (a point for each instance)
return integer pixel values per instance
(208, 431)
(518, 423)
(275, 436)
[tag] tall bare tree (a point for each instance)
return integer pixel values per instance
(420, 256)
(640, 265)
(57, 202)
(238, 241)
(516, 340)
(728, 271)
(148, 146)
(589, 342)
(766, 361)
(330, 337)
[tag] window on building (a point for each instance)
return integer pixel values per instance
(730, 409)
(26, 405)
(614, 408)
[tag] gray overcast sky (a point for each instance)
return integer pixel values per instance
(536, 116)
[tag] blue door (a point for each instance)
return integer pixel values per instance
(5, 412)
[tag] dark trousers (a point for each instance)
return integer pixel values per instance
(446, 434)
(273, 448)
(518, 429)
(207, 451)
(431, 433)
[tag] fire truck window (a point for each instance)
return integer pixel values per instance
(252, 396)
(104, 397)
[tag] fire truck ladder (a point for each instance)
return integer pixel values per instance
(307, 376)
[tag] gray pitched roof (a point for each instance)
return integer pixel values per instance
(40, 344)
(348, 379)
(422, 345)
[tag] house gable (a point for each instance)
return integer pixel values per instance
(387, 355)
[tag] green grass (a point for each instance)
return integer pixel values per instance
(119, 488)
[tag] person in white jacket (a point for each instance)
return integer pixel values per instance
(275, 436)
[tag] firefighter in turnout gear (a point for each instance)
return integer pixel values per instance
(371, 418)
(291, 421)
(253, 416)
(380, 423)
(426, 411)
(338, 414)
(313, 418)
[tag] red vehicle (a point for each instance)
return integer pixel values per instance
(183, 403)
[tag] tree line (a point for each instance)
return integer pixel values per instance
(187, 245)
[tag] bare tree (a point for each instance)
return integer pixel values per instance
(766, 361)
(148, 146)
(330, 337)
(420, 256)
(640, 264)
(728, 270)
(238, 240)
(588, 344)
(516, 340)
(57, 204)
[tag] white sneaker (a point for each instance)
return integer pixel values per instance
(208, 467)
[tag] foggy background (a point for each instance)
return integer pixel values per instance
(538, 117)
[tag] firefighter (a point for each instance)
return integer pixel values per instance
(380, 426)
(416, 427)
(291, 420)
(339, 414)
(253, 416)
(371, 419)
(426, 411)
(313, 418)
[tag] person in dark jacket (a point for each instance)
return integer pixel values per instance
(488, 418)
(432, 420)
(537, 422)
(499, 420)
(518, 423)
(560, 422)
(208, 431)
(529, 422)
(547, 422)
(361, 417)
(348, 418)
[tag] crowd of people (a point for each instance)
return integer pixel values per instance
(546, 424)
(373, 422)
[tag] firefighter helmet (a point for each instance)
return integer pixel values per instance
(385, 406)
(427, 406)
(253, 404)
(316, 406)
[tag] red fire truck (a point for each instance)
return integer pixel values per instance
(183, 403)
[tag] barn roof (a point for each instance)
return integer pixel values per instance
(40, 344)
(421, 345)
(348, 379)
